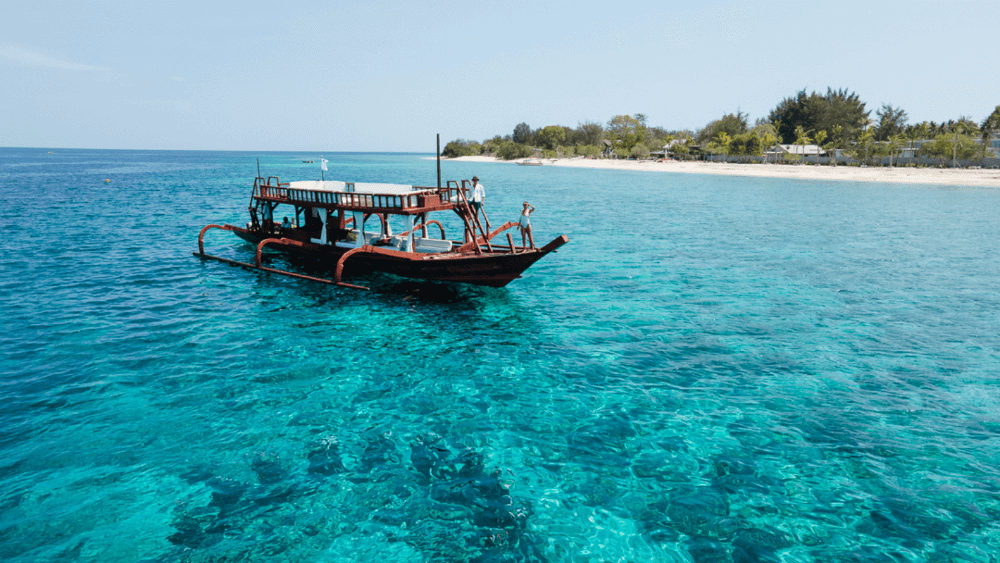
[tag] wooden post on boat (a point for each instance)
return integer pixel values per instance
(475, 223)
(511, 241)
(439, 160)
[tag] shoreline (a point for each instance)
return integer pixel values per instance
(935, 176)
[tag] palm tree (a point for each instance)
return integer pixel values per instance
(838, 130)
(722, 143)
(768, 141)
(801, 139)
(895, 142)
(820, 137)
(865, 141)
(960, 126)
(990, 127)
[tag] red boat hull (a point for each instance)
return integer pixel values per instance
(494, 269)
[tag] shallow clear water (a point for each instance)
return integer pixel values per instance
(714, 369)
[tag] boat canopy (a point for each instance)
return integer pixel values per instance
(352, 187)
(318, 185)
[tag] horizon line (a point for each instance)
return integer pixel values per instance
(220, 150)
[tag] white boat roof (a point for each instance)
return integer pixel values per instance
(318, 185)
(387, 189)
(357, 187)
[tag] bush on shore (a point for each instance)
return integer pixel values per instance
(461, 147)
(510, 150)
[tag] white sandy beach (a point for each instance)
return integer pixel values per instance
(941, 176)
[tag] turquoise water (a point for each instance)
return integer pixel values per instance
(713, 369)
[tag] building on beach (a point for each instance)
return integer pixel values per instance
(804, 150)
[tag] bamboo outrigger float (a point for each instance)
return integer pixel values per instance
(333, 228)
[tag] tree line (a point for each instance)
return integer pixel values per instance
(837, 120)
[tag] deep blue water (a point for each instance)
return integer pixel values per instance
(713, 369)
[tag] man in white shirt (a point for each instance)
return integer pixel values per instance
(478, 195)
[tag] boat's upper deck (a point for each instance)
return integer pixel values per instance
(359, 196)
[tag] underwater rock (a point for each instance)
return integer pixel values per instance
(701, 511)
(268, 471)
(733, 475)
(446, 506)
(379, 452)
(708, 551)
(760, 544)
(226, 494)
(428, 456)
(326, 460)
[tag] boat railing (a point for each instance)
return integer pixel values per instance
(264, 188)
(419, 197)
(355, 199)
(450, 192)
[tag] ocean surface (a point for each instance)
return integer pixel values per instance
(714, 369)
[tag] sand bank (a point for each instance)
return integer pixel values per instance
(943, 176)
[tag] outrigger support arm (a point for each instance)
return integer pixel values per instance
(360, 250)
(201, 235)
(290, 242)
(424, 226)
(257, 259)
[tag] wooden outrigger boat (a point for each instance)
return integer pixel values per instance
(330, 220)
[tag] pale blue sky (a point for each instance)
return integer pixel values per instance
(388, 76)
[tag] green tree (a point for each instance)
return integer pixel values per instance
(490, 146)
(952, 146)
(461, 147)
(962, 128)
(820, 112)
(834, 144)
(990, 128)
(721, 144)
(639, 151)
(894, 144)
(738, 145)
(731, 124)
(918, 132)
(820, 137)
(801, 139)
(626, 132)
(510, 150)
(522, 134)
(754, 145)
(891, 122)
(550, 137)
(764, 129)
(768, 141)
(658, 136)
(588, 133)
(864, 144)
(745, 144)
(681, 150)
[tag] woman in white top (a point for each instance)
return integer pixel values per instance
(525, 225)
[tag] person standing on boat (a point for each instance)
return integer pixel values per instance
(525, 225)
(478, 195)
